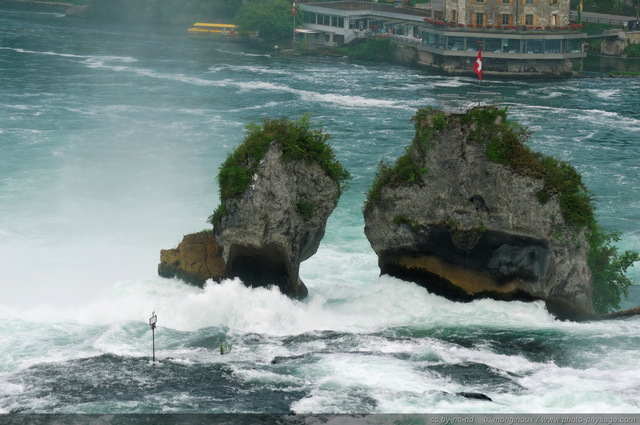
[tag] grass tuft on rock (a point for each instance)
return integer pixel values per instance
(298, 142)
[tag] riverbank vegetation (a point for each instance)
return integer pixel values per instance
(272, 19)
(612, 7)
(370, 48)
(632, 51)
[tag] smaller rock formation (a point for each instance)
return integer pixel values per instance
(469, 212)
(197, 258)
(277, 191)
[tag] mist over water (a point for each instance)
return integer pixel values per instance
(110, 141)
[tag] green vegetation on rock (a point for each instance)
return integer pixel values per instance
(505, 145)
(608, 267)
(425, 133)
(405, 170)
(298, 142)
(305, 209)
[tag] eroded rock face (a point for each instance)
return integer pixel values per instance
(197, 258)
(467, 227)
(278, 222)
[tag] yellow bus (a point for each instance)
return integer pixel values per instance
(218, 29)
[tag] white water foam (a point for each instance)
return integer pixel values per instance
(371, 307)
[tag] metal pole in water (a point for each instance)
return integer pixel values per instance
(152, 321)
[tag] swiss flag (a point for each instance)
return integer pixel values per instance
(477, 67)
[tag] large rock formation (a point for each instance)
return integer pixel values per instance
(278, 222)
(469, 212)
(277, 191)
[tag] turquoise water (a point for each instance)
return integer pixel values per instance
(110, 141)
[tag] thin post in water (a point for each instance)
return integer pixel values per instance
(152, 321)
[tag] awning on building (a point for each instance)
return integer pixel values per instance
(306, 31)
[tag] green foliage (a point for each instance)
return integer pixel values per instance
(427, 122)
(632, 50)
(612, 7)
(406, 221)
(625, 74)
(371, 49)
(270, 18)
(593, 28)
(298, 142)
(217, 215)
(425, 133)
(383, 176)
(505, 145)
(405, 171)
(305, 209)
(608, 267)
(562, 180)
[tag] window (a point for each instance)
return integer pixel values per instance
(492, 45)
(511, 45)
(479, 19)
(552, 46)
(573, 45)
(553, 1)
(454, 15)
(455, 43)
(528, 20)
(532, 46)
(474, 44)
(505, 19)
(309, 17)
(553, 20)
(528, 2)
(506, 1)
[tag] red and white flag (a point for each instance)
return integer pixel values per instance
(477, 67)
(293, 9)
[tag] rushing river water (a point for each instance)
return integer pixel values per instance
(110, 141)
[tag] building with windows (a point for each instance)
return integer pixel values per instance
(341, 22)
(547, 14)
(517, 37)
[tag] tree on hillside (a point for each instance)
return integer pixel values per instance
(272, 19)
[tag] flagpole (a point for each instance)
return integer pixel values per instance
(294, 22)
(479, 82)
(477, 68)
(480, 79)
